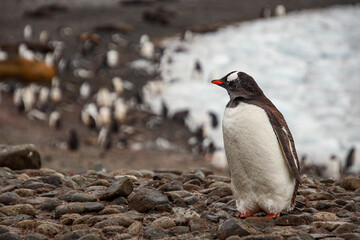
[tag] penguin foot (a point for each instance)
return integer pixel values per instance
(238, 215)
(273, 215)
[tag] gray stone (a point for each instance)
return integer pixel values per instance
(20, 157)
(18, 209)
(79, 180)
(147, 199)
(164, 222)
(350, 183)
(154, 232)
(210, 216)
(68, 219)
(3, 229)
(24, 192)
(294, 220)
(346, 228)
(199, 225)
(78, 197)
(38, 186)
(221, 192)
(73, 235)
(171, 186)
(260, 222)
(35, 236)
(89, 237)
(179, 230)
(325, 204)
(230, 228)
(9, 236)
(47, 229)
(135, 228)
(121, 188)
(53, 180)
(50, 205)
(325, 216)
(78, 207)
(8, 198)
(120, 220)
(321, 196)
(265, 237)
(329, 225)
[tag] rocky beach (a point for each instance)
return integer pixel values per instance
(82, 156)
(164, 204)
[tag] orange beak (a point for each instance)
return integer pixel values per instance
(217, 82)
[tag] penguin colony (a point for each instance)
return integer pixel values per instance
(104, 111)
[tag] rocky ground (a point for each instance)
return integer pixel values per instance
(129, 22)
(164, 204)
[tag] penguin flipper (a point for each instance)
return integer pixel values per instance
(286, 148)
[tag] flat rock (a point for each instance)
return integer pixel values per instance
(135, 228)
(325, 216)
(10, 236)
(154, 232)
(18, 209)
(229, 228)
(78, 197)
(221, 192)
(8, 198)
(350, 183)
(121, 188)
(78, 207)
(260, 222)
(20, 157)
(199, 225)
(164, 222)
(147, 199)
(294, 220)
(321, 196)
(346, 228)
(174, 185)
(73, 235)
(47, 229)
(50, 204)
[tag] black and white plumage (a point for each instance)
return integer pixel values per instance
(260, 150)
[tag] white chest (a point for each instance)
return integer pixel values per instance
(257, 166)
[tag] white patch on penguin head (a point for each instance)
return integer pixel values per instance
(232, 76)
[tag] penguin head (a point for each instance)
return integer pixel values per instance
(239, 84)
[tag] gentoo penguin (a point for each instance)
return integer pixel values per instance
(260, 150)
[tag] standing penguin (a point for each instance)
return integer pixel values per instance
(260, 150)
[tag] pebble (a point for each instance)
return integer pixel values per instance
(45, 204)
(164, 222)
(8, 198)
(171, 186)
(78, 197)
(49, 230)
(230, 228)
(78, 207)
(350, 183)
(121, 188)
(325, 216)
(10, 236)
(135, 228)
(147, 199)
(154, 232)
(18, 209)
(20, 157)
(260, 222)
(199, 225)
(294, 220)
